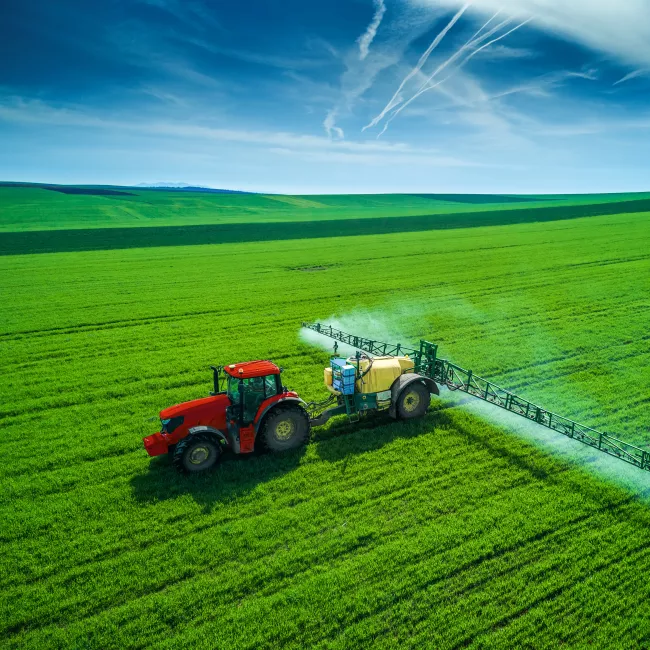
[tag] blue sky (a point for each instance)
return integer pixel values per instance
(315, 96)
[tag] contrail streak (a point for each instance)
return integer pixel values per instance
(427, 85)
(474, 40)
(395, 100)
(486, 24)
(470, 43)
(369, 36)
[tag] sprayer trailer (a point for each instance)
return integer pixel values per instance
(250, 406)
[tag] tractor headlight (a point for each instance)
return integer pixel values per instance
(169, 425)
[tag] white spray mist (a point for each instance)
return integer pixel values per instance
(616, 471)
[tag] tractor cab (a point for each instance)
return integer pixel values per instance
(249, 385)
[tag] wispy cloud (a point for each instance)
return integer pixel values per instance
(632, 75)
(367, 38)
(361, 72)
(18, 110)
(330, 125)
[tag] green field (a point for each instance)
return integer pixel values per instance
(32, 208)
(453, 532)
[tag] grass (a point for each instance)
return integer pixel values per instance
(446, 533)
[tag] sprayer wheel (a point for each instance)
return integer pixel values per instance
(413, 402)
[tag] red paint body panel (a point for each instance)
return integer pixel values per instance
(272, 400)
(250, 369)
(208, 411)
(200, 408)
(246, 439)
(211, 412)
(156, 445)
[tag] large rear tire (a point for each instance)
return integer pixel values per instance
(285, 428)
(413, 402)
(198, 452)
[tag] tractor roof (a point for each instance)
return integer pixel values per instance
(250, 369)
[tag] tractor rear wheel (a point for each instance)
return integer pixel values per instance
(413, 401)
(196, 453)
(287, 427)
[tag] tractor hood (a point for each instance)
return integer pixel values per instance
(207, 408)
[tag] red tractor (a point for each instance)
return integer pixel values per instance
(255, 405)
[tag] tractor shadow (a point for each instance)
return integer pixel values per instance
(233, 478)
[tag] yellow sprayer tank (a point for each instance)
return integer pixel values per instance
(384, 371)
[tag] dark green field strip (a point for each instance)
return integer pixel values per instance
(53, 241)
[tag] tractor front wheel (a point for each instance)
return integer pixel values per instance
(196, 453)
(413, 401)
(287, 427)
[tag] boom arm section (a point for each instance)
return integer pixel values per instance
(454, 377)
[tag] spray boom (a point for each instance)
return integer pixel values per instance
(427, 363)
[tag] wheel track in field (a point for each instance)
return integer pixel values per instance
(289, 574)
(497, 495)
(509, 569)
(94, 487)
(512, 323)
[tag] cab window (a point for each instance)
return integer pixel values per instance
(270, 385)
(256, 390)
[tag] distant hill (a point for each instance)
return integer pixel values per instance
(184, 187)
(168, 185)
(119, 190)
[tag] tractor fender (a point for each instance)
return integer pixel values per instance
(402, 382)
(272, 405)
(204, 429)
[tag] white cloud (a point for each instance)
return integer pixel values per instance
(619, 28)
(19, 110)
(506, 52)
(330, 126)
(368, 36)
(376, 158)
